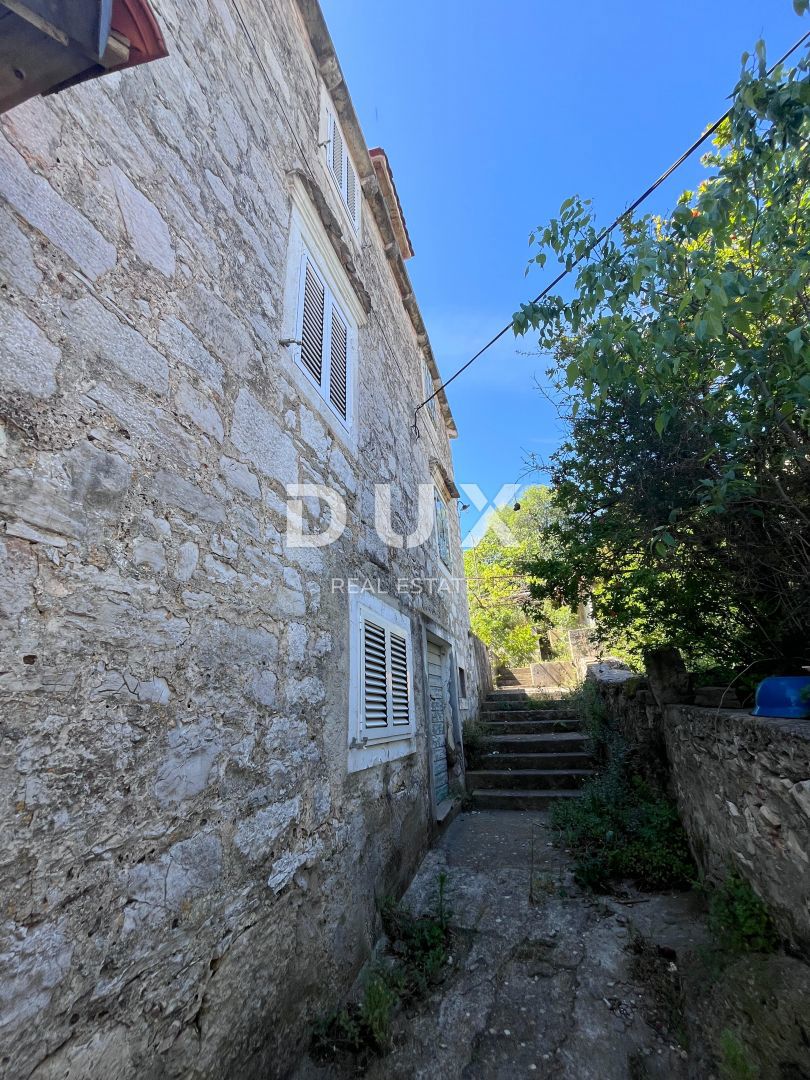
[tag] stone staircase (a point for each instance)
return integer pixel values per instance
(532, 753)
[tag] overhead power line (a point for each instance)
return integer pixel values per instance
(707, 134)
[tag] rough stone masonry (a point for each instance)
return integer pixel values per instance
(188, 872)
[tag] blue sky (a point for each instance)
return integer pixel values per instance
(492, 115)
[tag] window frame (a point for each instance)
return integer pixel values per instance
(372, 746)
(462, 683)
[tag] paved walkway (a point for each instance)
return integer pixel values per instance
(537, 987)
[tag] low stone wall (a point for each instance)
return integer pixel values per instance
(542, 675)
(742, 784)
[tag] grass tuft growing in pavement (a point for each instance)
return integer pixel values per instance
(419, 948)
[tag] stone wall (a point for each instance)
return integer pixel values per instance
(742, 784)
(188, 873)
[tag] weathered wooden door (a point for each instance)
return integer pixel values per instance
(439, 692)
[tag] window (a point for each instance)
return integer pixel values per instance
(442, 529)
(382, 723)
(343, 171)
(428, 388)
(462, 683)
(323, 331)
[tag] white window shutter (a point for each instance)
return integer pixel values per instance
(338, 363)
(340, 165)
(428, 387)
(326, 337)
(351, 192)
(400, 696)
(312, 323)
(338, 155)
(375, 676)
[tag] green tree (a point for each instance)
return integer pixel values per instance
(683, 359)
(503, 611)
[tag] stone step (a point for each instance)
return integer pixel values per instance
(530, 727)
(525, 692)
(527, 779)
(504, 799)
(550, 742)
(571, 759)
(528, 714)
(524, 706)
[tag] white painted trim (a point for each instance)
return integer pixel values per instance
(396, 744)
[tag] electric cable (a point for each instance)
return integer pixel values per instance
(707, 134)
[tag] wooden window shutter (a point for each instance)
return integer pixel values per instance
(340, 165)
(338, 154)
(428, 387)
(351, 191)
(338, 364)
(312, 324)
(375, 676)
(400, 708)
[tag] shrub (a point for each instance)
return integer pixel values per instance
(621, 827)
(739, 920)
(473, 740)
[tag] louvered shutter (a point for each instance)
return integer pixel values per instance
(351, 191)
(400, 709)
(340, 165)
(427, 379)
(312, 323)
(338, 153)
(338, 363)
(375, 676)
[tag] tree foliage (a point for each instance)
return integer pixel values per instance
(684, 360)
(502, 610)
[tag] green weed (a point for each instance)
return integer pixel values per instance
(419, 945)
(739, 921)
(621, 827)
(735, 1063)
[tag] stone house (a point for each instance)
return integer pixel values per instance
(219, 748)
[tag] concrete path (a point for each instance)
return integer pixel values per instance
(538, 987)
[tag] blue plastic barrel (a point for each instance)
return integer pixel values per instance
(787, 696)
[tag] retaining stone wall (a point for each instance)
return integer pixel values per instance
(742, 784)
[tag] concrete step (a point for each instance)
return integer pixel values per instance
(545, 760)
(530, 727)
(548, 742)
(527, 779)
(504, 799)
